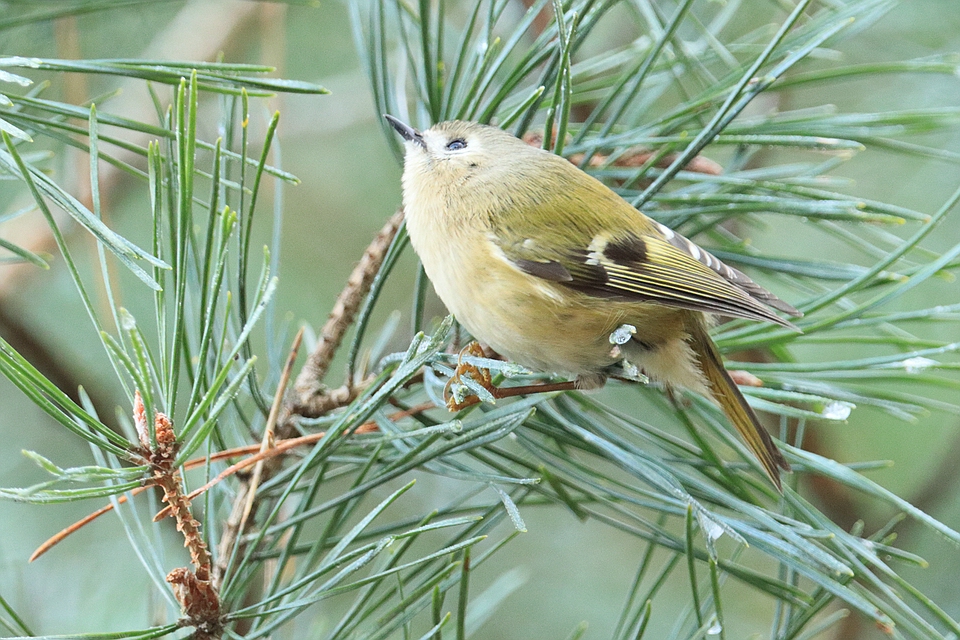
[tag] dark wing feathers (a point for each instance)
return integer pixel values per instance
(547, 269)
(663, 267)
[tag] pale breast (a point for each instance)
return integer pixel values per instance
(525, 319)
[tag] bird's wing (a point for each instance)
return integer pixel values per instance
(631, 257)
(731, 275)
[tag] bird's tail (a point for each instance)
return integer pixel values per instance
(728, 396)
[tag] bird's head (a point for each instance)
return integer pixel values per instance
(455, 152)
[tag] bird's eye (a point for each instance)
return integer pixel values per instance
(456, 145)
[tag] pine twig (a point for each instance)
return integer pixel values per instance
(193, 589)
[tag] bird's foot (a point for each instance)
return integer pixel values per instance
(482, 377)
(590, 382)
(479, 375)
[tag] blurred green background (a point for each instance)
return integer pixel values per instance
(350, 185)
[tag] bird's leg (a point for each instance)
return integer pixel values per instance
(543, 387)
(483, 377)
(510, 392)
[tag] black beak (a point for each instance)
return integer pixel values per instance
(406, 132)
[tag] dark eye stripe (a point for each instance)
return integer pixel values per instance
(456, 145)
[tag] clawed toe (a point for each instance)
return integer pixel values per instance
(483, 378)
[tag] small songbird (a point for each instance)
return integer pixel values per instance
(544, 263)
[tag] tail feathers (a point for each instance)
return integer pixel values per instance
(734, 405)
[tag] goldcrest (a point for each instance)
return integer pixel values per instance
(544, 263)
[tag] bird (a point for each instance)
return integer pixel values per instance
(553, 270)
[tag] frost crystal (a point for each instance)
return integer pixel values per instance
(837, 411)
(622, 334)
(626, 369)
(918, 364)
(712, 530)
(631, 370)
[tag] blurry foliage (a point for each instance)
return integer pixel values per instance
(684, 83)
